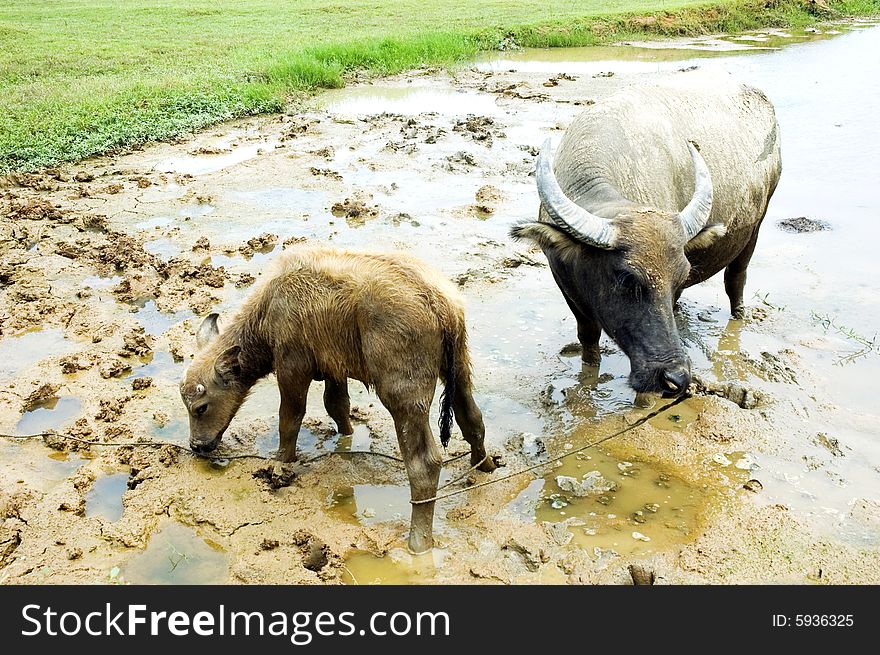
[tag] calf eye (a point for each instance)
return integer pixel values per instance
(201, 409)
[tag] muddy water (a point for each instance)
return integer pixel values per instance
(54, 414)
(176, 554)
(372, 503)
(104, 499)
(22, 351)
(32, 464)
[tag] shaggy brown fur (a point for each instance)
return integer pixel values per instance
(387, 320)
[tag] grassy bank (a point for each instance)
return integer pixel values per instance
(80, 77)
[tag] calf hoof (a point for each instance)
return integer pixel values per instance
(486, 463)
(738, 313)
(345, 429)
(419, 544)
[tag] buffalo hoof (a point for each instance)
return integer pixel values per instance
(287, 456)
(591, 356)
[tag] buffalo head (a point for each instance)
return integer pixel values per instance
(622, 272)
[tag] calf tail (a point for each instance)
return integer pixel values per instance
(449, 366)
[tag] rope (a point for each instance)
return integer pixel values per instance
(436, 497)
(558, 458)
(213, 458)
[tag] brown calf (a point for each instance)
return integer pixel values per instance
(387, 320)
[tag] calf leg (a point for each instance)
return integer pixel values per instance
(422, 459)
(294, 389)
(470, 421)
(338, 404)
(735, 277)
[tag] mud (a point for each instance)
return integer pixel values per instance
(803, 224)
(768, 475)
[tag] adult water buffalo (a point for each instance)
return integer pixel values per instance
(655, 189)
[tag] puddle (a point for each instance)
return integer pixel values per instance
(52, 415)
(175, 430)
(98, 282)
(156, 322)
(408, 100)
(647, 512)
(161, 367)
(19, 353)
(197, 211)
(372, 503)
(398, 567)
(176, 554)
(104, 499)
(359, 440)
(203, 164)
(633, 57)
(38, 467)
(162, 248)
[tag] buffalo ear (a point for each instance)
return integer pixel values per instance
(227, 365)
(705, 237)
(207, 330)
(548, 237)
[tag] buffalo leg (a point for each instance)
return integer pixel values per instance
(338, 404)
(422, 459)
(294, 390)
(588, 331)
(470, 421)
(588, 335)
(735, 277)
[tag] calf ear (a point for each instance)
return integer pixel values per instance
(207, 330)
(548, 237)
(227, 365)
(705, 237)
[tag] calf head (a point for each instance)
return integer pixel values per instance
(212, 388)
(625, 272)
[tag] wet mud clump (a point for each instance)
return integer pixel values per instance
(357, 208)
(479, 128)
(802, 224)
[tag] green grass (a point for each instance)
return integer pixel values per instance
(81, 77)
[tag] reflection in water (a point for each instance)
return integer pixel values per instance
(727, 364)
(159, 365)
(210, 163)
